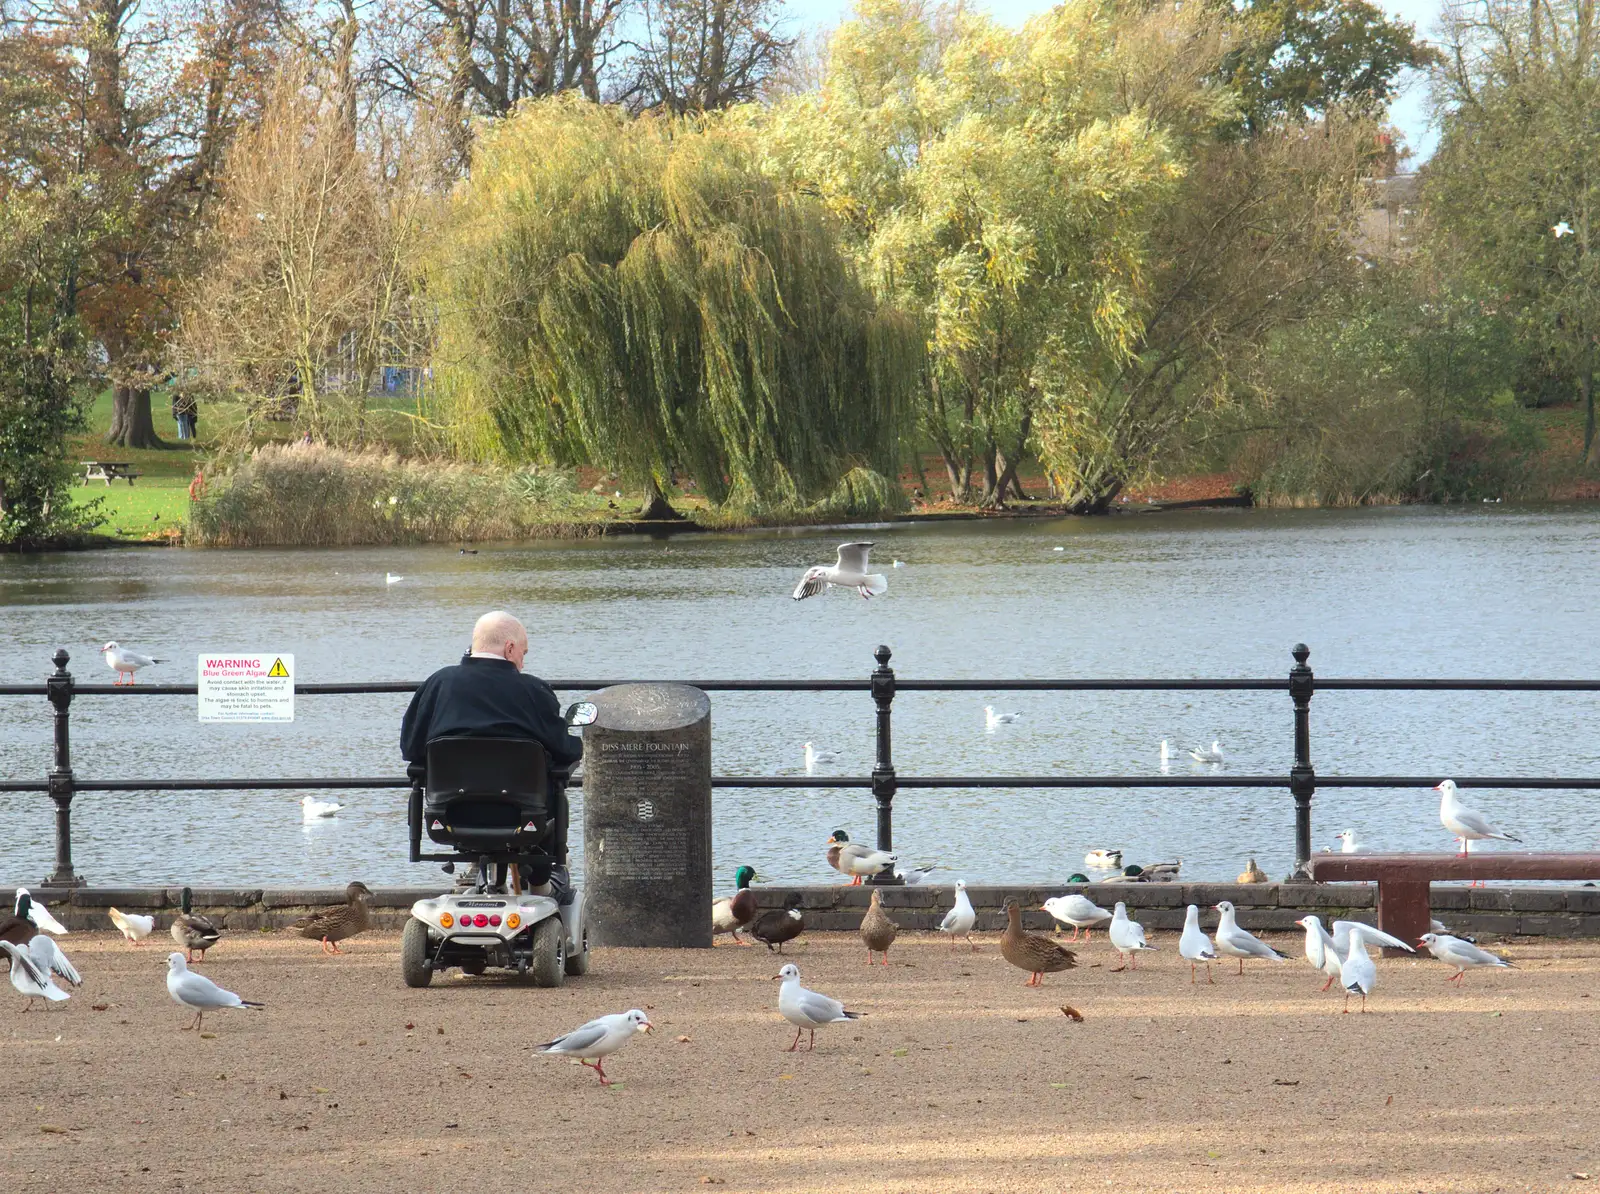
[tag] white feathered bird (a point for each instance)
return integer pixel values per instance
(1466, 823)
(29, 908)
(1321, 951)
(1463, 955)
(598, 1039)
(48, 956)
(959, 920)
(1194, 946)
(29, 978)
(199, 992)
(312, 809)
(1128, 937)
(807, 1010)
(849, 571)
(1076, 910)
(1343, 928)
(993, 717)
(133, 926)
(1201, 755)
(1358, 975)
(126, 663)
(1234, 942)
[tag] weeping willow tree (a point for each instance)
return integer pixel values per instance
(636, 294)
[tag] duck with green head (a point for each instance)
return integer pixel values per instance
(732, 913)
(193, 931)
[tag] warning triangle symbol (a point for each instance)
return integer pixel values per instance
(279, 670)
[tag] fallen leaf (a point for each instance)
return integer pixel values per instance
(1058, 1086)
(283, 1094)
(683, 1040)
(1388, 1101)
(784, 1077)
(452, 1125)
(99, 1007)
(1285, 1082)
(409, 1027)
(319, 1090)
(220, 1077)
(360, 1043)
(440, 1030)
(463, 1074)
(1072, 1014)
(52, 1129)
(302, 1127)
(208, 1036)
(1211, 1154)
(898, 1052)
(1494, 1015)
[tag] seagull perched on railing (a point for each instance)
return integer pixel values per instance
(1466, 823)
(125, 663)
(849, 571)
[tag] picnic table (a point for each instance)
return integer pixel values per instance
(109, 471)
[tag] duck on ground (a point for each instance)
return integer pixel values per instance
(37, 912)
(1037, 955)
(193, 931)
(1103, 860)
(857, 861)
(959, 920)
(132, 926)
(1253, 874)
(598, 1040)
(1155, 872)
(807, 1010)
(1127, 936)
(877, 930)
(732, 913)
(1233, 942)
(780, 925)
(1194, 946)
(1076, 910)
(339, 923)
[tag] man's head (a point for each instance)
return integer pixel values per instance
(498, 633)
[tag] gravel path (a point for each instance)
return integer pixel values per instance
(959, 1079)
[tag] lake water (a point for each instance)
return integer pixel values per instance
(1475, 592)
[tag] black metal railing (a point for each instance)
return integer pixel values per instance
(1301, 781)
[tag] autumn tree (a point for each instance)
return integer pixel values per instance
(702, 55)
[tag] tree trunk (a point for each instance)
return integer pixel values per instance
(1586, 389)
(656, 508)
(131, 423)
(994, 494)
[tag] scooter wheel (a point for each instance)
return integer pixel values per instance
(414, 954)
(549, 966)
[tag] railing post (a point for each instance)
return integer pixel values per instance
(883, 781)
(1302, 776)
(58, 691)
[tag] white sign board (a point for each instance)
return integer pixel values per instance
(246, 686)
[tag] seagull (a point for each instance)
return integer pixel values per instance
(1128, 938)
(993, 718)
(1166, 754)
(1461, 954)
(807, 1009)
(1321, 949)
(814, 757)
(849, 571)
(29, 979)
(1467, 824)
(898, 564)
(1234, 942)
(47, 956)
(391, 579)
(1438, 927)
(1343, 928)
(125, 663)
(1358, 975)
(599, 1039)
(133, 926)
(1347, 842)
(1058, 549)
(1194, 946)
(1076, 910)
(961, 918)
(1201, 755)
(313, 809)
(915, 875)
(1561, 229)
(199, 992)
(31, 909)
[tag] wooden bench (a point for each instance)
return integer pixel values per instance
(1405, 880)
(109, 471)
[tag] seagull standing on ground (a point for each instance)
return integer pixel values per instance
(1463, 955)
(1194, 946)
(1321, 951)
(199, 992)
(807, 1010)
(47, 956)
(1467, 824)
(598, 1039)
(125, 663)
(849, 571)
(1076, 910)
(1128, 937)
(1235, 942)
(29, 979)
(1358, 975)
(960, 919)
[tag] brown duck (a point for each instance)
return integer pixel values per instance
(1037, 955)
(877, 930)
(193, 931)
(339, 923)
(775, 927)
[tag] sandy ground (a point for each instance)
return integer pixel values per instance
(958, 1079)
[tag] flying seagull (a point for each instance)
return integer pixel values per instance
(849, 571)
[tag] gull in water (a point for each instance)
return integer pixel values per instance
(133, 926)
(598, 1039)
(30, 979)
(1076, 910)
(1194, 946)
(849, 571)
(313, 809)
(815, 756)
(389, 578)
(993, 717)
(1467, 824)
(960, 919)
(125, 663)
(1201, 755)
(31, 909)
(199, 992)
(1463, 955)
(1234, 942)
(807, 1010)
(1128, 937)
(1321, 951)
(898, 564)
(1358, 975)
(1166, 755)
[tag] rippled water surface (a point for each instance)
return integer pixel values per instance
(1495, 592)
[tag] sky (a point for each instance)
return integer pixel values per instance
(1409, 111)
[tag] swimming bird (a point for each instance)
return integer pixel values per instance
(1166, 754)
(48, 956)
(1076, 910)
(807, 1010)
(598, 1040)
(133, 926)
(199, 992)
(1467, 824)
(1194, 946)
(775, 927)
(312, 809)
(849, 571)
(1201, 755)
(1461, 954)
(815, 756)
(340, 922)
(192, 931)
(992, 717)
(26, 905)
(732, 913)
(1253, 874)
(1358, 975)
(1128, 938)
(857, 861)
(1234, 942)
(877, 930)
(1104, 860)
(30, 979)
(1321, 950)
(1037, 955)
(960, 919)
(1155, 872)
(126, 663)
(389, 578)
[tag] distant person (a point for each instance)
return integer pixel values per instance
(185, 412)
(177, 414)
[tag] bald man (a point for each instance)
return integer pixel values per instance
(487, 695)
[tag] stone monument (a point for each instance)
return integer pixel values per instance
(647, 817)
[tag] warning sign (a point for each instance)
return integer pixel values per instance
(246, 687)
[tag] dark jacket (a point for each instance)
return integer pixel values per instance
(486, 698)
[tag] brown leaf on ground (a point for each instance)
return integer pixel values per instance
(1072, 1013)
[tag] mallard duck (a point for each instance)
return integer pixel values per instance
(778, 926)
(133, 926)
(193, 932)
(877, 930)
(339, 923)
(1104, 860)
(1253, 874)
(1076, 877)
(18, 928)
(38, 913)
(848, 858)
(732, 913)
(1037, 955)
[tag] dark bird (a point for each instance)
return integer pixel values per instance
(192, 931)
(732, 913)
(776, 927)
(1037, 955)
(339, 923)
